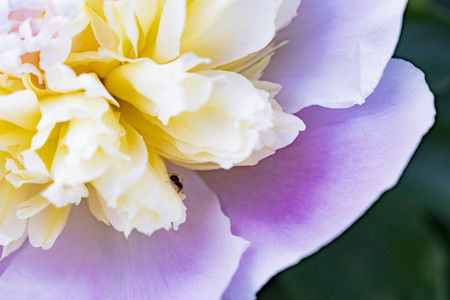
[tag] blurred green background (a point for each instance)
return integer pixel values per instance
(400, 249)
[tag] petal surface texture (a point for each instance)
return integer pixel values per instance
(337, 52)
(295, 202)
(93, 261)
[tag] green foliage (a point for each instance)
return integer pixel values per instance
(400, 248)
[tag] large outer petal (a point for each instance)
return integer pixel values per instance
(337, 52)
(92, 261)
(298, 200)
(4, 264)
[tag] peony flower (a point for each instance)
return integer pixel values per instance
(251, 138)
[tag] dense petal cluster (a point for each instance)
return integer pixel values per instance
(127, 90)
(165, 114)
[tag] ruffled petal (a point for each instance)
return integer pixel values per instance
(337, 52)
(161, 90)
(295, 202)
(93, 261)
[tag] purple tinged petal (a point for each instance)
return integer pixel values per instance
(93, 261)
(4, 263)
(293, 203)
(337, 52)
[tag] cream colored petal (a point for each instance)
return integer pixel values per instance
(145, 11)
(99, 62)
(96, 6)
(57, 110)
(256, 70)
(68, 173)
(11, 227)
(145, 193)
(121, 19)
(111, 183)
(108, 215)
(62, 195)
(285, 130)
(149, 204)
(163, 91)
(14, 139)
(84, 137)
(95, 206)
(85, 148)
(19, 176)
(9, 84)
(168, 40)
(105, 35)
(47, 225)
(66, 107)
(39, 157)
(20, 108)
(31, 207)
(115, 218)
(227, 30)
(62, 79)
(27, 167)
(239, 123)
(3, 170)
(253, 65)
(14, 245)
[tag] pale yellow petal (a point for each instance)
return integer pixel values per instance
(122, 20)
(100, 62)
(171, 27)
(95, 206)
(63, 195)
(66, 107)
(20, 108)
(239, 123)
(163, 91)
(227, 30)
(62, 79)
(11, 227)
(18, 175)
(14, 245)
(105, 35)
(145, 11)
(47, 225)
(3, 170)
(121, 173)
(32, 206)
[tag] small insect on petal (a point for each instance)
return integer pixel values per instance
(176, 181)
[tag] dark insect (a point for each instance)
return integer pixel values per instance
(176, 180)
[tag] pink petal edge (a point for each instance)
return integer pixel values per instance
(337, 52)
(298, 200)
(93, 261)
